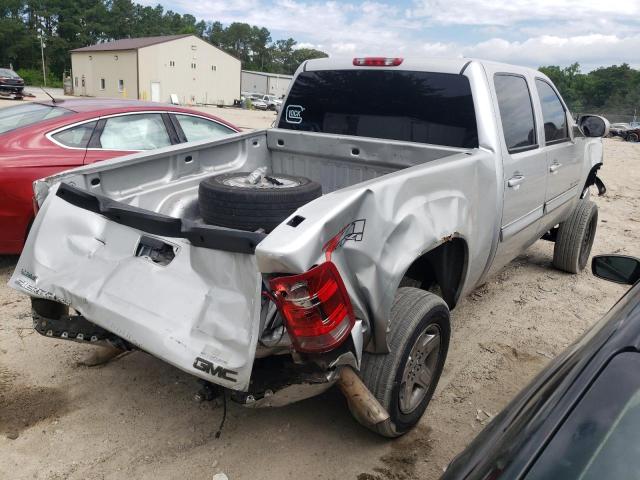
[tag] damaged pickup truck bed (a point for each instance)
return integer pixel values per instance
(329, 249)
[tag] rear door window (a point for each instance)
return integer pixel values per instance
(516, 112)
(29, 114)
(198, 128)
(423, 107)
(135, 132)
(75, 137)
(553, 114)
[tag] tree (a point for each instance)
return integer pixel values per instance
(66, 25)
(606, 90)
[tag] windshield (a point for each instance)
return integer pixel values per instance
(423, 107)
(5, 72)
(29, 114)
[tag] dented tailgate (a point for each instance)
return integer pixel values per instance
(198, 309)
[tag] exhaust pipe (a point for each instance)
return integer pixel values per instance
(365, 407)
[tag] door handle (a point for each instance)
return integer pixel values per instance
(554, 167)
(515, 181)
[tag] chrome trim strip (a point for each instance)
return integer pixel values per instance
(49, 135)
(560, 200)
(521, 223)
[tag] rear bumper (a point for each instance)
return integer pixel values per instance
(13, 89)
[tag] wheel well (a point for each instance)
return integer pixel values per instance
(442, 267)
(591, 178)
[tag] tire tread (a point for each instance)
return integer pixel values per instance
(566, 252)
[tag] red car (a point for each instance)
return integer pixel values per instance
(43, 138)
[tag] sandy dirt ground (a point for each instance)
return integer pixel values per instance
(136, 417)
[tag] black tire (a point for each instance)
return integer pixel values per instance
(413, 313)
(575, 238)
(247, 208)
(632, 137)
(48, 308)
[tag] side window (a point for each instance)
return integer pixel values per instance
(553, 114)
(197, 128)
(75, 137)
(134, 132)
(516, 112)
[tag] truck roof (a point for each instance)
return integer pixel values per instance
(442, 65)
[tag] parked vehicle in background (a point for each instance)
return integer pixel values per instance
(328, 250)
(580, 417)
(273, 103)
(257, 101)
(44, 138)
(619, 130)
(259, 104)
(11, 84)
(632, 135)
(263, 102)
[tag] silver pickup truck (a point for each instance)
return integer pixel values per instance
(329, 249)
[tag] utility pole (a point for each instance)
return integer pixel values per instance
(44, 73)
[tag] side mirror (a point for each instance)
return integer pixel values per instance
(616, 268)
(593, 126)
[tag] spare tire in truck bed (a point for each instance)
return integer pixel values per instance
(231, 200)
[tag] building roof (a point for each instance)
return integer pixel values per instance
(130, 43)
(267, 74)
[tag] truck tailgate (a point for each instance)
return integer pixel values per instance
(199, 312)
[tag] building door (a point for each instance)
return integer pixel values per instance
(155, 91)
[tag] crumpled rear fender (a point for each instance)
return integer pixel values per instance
(385, 224)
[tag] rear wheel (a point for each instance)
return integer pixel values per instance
(632, 137)
(575, 238)
(404, 379)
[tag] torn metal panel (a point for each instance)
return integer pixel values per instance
(389, 223)
(200, 312)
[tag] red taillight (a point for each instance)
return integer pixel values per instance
(377, 62)
(316, 308)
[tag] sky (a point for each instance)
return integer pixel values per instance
(525, 32)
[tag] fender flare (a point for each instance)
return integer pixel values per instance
(593, 179)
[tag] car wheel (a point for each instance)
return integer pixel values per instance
(229, 200)
(632, 137)
(404, 379)
(575, 238)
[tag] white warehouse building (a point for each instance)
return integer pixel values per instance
(265, 83)
(157, 68)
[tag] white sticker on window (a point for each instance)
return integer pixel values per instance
(294, 114)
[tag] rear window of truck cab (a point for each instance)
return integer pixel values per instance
(422, 107)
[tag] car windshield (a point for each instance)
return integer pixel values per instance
(5, 72)
(600, 438)
(423, 107)
(12, 118)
